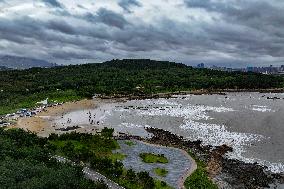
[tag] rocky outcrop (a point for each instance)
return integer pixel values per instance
(232, 172)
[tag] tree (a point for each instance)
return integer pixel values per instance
(131, 175)
(145, 180)
(107, 132)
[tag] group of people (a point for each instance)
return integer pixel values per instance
(93, 121)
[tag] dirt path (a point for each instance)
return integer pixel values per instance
(91, 174)
(95, 176)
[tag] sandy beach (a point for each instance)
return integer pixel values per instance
(42, 122)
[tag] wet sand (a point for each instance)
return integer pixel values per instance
(69, 107)
(42, 122)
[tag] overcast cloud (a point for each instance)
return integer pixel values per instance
(222, 32)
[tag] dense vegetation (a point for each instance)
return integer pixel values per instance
(25, 163)
(160, 172)
(23, 88)
(199, 179)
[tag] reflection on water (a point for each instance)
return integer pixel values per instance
(252, 123)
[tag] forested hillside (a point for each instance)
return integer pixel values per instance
(22, 88)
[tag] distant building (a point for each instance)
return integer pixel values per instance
(250, 69)
(201, 65)
(270, 70)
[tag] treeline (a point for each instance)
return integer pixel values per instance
(20, 88)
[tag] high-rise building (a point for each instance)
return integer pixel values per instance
(201, 65)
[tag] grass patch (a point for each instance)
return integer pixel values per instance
(118, 157)
(153, 158)
(132, 180)
(129, 143)
(161, 185)
(160, 172)
(83, 146)
(199, 179)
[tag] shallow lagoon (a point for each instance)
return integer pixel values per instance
(252, 123)
(177, 167)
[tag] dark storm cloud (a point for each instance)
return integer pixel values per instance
(198, 4)
(22, 27)
(53, 3)
(126, 4)
(136, 38)
(111, 18)
(253, 27)
(67, 55)
(51, 34)
(61, 26)
(107, 17)
(147, 37)
(231, 31)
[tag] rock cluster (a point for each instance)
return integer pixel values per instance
(235, 173)
(68, 128)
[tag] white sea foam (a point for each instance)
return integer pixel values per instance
(160, 101)
(195, 112)
(273, 167)
(195, 121)
(131, 125)
(261, 108)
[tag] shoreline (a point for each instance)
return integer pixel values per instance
(219, 167)
(192, 92)
(42, 122)
(124, 97)
(222, 170)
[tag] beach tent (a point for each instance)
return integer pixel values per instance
(44, 102)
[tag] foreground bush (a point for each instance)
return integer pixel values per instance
(25, 163)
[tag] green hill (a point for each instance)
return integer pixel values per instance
(22, 88)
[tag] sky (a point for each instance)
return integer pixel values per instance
(232, 33)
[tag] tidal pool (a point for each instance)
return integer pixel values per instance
(179, 163)
(252, 123)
